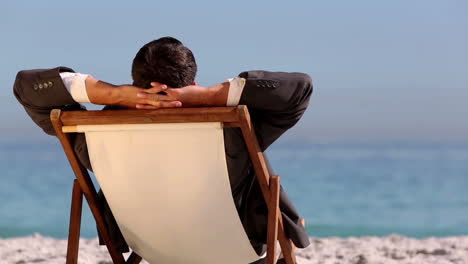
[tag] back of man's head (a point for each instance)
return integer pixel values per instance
(165, 60)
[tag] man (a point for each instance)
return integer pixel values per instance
(163, 73)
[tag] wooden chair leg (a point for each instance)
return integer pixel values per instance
(133, 259)
(273, 210)
(75, 224)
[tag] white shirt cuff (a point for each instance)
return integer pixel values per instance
(236, 86)
(76, 86)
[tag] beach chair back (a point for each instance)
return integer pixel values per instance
(164, 175)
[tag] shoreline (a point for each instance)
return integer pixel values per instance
(331, 250)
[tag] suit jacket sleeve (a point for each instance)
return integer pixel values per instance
(40, 91)
(276, 101)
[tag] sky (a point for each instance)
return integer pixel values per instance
(382, 70)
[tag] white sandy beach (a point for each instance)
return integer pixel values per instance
(365, 250)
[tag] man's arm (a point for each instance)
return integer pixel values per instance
(40, 91)
(276, 100)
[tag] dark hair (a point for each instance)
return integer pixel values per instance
(165, 60)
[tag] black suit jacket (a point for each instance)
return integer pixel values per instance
(276, 101)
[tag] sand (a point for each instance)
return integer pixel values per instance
(365, 250)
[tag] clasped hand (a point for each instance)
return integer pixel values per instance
(162, 96)
(158, 96)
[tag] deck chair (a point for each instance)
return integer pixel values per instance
(165, 178)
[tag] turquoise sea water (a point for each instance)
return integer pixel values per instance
(417, 190)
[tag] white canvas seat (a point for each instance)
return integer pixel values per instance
(168, 188)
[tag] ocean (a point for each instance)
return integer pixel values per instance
(342, 189)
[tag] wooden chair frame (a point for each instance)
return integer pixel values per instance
(65, 122)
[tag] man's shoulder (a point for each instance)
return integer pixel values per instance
(273, 80)
(25, 74)
(39, 78)
(261, 74)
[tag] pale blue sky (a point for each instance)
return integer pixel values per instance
(382, 70)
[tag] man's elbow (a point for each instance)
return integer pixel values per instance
(306, 83)
(28, 89)
(18, 87)
(304, 90)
